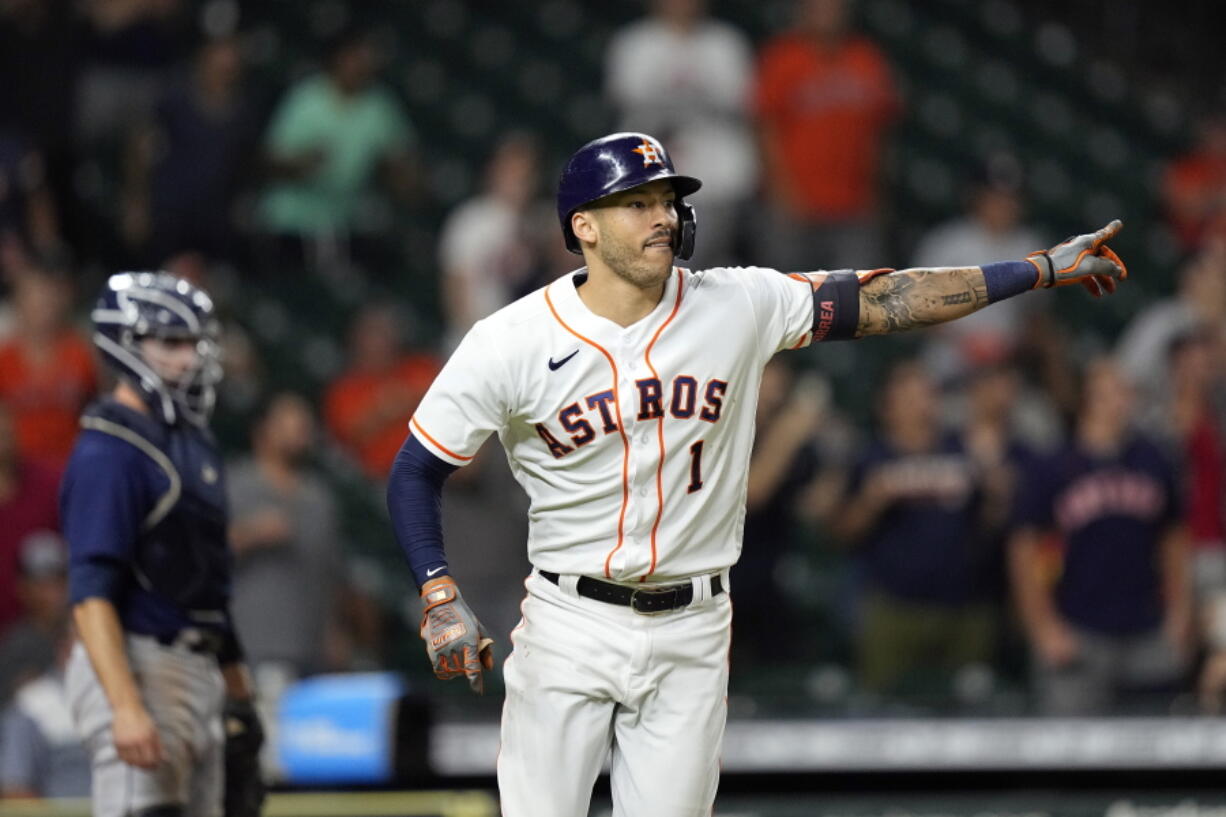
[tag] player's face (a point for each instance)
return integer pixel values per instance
(173, 359)
(635, 233)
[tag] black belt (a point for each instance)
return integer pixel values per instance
(646, 599)
(194, 639)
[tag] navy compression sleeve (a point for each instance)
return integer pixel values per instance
(414, 500)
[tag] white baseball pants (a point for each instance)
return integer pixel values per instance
(183, 692)
(589, 681)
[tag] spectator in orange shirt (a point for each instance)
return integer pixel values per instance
(1194, 185)
(47, 371)
(823, 98)
(368, 407)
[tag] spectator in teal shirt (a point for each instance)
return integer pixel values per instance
(332, 139)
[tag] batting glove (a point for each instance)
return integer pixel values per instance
(455, 641)
(1083, 259)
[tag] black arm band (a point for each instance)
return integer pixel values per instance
(836, 307)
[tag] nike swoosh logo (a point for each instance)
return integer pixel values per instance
(430, 573)
(554, 365)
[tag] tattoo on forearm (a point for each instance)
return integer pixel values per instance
(911, 298)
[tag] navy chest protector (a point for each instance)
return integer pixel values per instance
(181, 552)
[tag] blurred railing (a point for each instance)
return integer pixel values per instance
(313, 804)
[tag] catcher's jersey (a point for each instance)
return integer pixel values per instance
(632, 442)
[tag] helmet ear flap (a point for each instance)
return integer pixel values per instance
(683, 248)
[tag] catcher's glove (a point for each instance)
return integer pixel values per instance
(455, 641)
(244, 790)
(1082, 259)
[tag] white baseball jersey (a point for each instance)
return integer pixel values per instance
(632, 442)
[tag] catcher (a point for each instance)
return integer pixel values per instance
(156, 681)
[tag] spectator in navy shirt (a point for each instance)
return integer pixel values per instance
(783, 472)
(188, 161)
(1113, 630)
(915, 513)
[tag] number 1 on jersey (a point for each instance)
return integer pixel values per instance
(695, 467)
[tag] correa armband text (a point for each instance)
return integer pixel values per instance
(836, 306)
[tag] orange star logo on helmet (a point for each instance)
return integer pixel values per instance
(652, 154)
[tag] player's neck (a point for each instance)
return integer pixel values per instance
(612, 297)
(125, 395)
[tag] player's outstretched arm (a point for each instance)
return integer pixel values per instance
(913, 298)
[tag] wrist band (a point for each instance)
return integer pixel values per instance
(1005, 279)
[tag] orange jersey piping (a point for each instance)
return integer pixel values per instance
(417, 426)
(621, 517)
(660, 426)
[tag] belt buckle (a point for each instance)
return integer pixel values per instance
(185, 639)
(648, 592)
(198, 640)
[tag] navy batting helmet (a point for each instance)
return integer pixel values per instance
(138, 305)
(619, 162)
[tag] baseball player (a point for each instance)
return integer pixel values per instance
(624, 395)
(157, 665)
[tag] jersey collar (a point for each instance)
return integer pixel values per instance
(564, 294)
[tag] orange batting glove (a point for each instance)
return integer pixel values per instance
(1083, 259)
(455, 641)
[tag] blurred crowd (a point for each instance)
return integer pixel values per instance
(1018, 506)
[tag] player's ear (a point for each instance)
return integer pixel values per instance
(583, 222)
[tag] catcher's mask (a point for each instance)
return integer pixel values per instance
(137, 305)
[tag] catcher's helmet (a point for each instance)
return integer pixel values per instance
(136, 305)
(619, 162)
